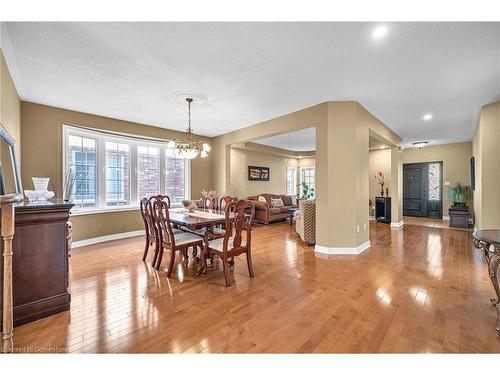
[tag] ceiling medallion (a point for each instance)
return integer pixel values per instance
(189, 148)
(420, 144)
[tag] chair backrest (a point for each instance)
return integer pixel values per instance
(244, 212)
(162, 219)
(225, 200)
(147, 217)
(160, 197)
(210, 202)
(146, 204)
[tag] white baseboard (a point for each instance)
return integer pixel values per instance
(372, 218)
(447, 218)
(342, 250)
(110, 237)
(397, 225)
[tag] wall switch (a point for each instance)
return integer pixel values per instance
(447, 183)
(364, 226)
(357, 228)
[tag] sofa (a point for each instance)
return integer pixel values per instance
(265, 213)
(305, 224)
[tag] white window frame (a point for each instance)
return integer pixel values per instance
(294, 192)
(133, 142)
(302, 169)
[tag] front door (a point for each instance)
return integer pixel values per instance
(422, 189)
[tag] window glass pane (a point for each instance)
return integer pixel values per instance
(148, 171)
(291, 181)
(434, 181)
(175, 172)
(308, 176)
(82, 160)
(117, 174)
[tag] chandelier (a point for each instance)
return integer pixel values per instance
(189, 148)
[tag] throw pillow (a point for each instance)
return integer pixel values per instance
(287, 200)
(278, 202)
(294, 200)
(262, 199)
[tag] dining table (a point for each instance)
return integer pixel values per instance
(198, 219)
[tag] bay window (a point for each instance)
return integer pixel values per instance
(116, 171)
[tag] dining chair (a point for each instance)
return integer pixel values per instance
(210, 202)
(233, 244)
(171, 239)
(225, 200)
(150, 225)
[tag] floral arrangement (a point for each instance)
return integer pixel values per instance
(208, 194)
(380, 178)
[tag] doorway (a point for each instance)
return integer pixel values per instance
(423, 189)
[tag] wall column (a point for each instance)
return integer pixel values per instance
(339, 183)
(397, 188)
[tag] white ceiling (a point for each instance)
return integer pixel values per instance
(252, 72)
(300, 140)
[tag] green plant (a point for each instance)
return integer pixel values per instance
(460, 194)
(307, 192)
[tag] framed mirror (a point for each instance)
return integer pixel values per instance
(10, 178)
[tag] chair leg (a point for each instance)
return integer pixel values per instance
(249, 264)
(171, 264)
(155, 256)
(225, 266)
(146, 248)
(160, 257)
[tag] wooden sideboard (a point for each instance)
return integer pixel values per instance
(40, 265)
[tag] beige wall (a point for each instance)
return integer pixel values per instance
(456, 164)
(10, 105)
(42, 156)
(486, 144)
(241, 159)
(342, 185)
(378, 161)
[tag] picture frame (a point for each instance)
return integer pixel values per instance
(256, 173)
(10, 178)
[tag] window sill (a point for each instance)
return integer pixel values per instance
(94, 211)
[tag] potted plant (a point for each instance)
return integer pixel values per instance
(307, 192)
(459, 212)
(460, 195)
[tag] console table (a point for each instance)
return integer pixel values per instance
(40, 264)
(489, 241)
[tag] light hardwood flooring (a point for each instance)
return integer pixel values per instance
(417, 289)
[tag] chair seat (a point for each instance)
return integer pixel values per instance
(218, 244)
(184, 238)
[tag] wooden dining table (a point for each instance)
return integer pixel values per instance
(198, 219)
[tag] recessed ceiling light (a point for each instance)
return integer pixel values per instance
(379, 31)
(428, 116)
(420, 144)
(382, 147)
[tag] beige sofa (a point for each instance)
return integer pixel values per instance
(267, 214)
(306, 221)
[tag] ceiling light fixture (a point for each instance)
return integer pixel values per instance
(379, 32)
(427, 116)
(420, 144)
(189, 148)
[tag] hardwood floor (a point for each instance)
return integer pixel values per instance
(417, 289)
(429, 222)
